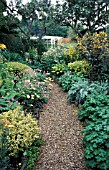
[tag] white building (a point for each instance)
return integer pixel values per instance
(52, 40)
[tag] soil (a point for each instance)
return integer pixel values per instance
(61, 131)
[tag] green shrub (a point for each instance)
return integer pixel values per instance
(12, 56)
(13, 42)
(8, 95)
(95, 48)
(32, 153)
(96, 140)
(52, 57)
(78, 91)
(17, 68)
(59, 69)
(4, 158)
(40, 47)
(23, 130)
(79, 67)
(66, 81)
(32, 93)
(81, 88)
(95, 111)
(96, 106)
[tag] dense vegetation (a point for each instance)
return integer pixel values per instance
(27, 68)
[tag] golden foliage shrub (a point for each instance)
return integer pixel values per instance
(23, 130)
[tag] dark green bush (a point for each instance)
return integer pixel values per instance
(4, 158)
(13, 43)
(95, 112)
(96, 142)
(66, 81)
(32, 153)
(95, 107)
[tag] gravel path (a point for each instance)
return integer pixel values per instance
(60, 129)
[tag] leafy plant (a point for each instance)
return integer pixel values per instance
(96, 140)
(8, 95)
(80, 67)
(94, 48)
(4, 158)
(81, 88)
(18, 69)
(95, 107)
(78, 91)
(70, 51)
(32, 153)
(52, 57)
(95, 111)
(59, 69)
(23, 130)
(66, 81)
(32, 93)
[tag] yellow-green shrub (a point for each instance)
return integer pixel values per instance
(71, 52)
(95, 45)
(59, 69)
(23, 130)
(18, 68)
(79, 67)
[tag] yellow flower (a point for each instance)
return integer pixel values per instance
(2, 46)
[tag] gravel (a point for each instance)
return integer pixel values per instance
(61, 130)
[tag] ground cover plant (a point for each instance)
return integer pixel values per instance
(95, 112)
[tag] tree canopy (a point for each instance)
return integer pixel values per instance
(92, 14)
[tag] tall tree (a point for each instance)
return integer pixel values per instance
(92, 14)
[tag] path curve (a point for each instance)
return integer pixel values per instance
(60, 129)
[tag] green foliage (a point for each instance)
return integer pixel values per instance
(95, 107)
(96, 142)
(4, 158)
(79, 90)
(52, 57)
(40, 47)
(32, 92)
(33, 58)
(94, 47)
(56, 29)
(107, 29)
(13, 41)
(23, 130)
(66, 81)
(82, 12)
(95, 112)
(18, 69)
(10, 56)
(32, 153)
(79, 67)
(40, 77)
(8, 95)
(59, 69)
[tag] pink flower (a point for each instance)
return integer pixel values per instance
(12, 99)
(23, 103)
(38, 83)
